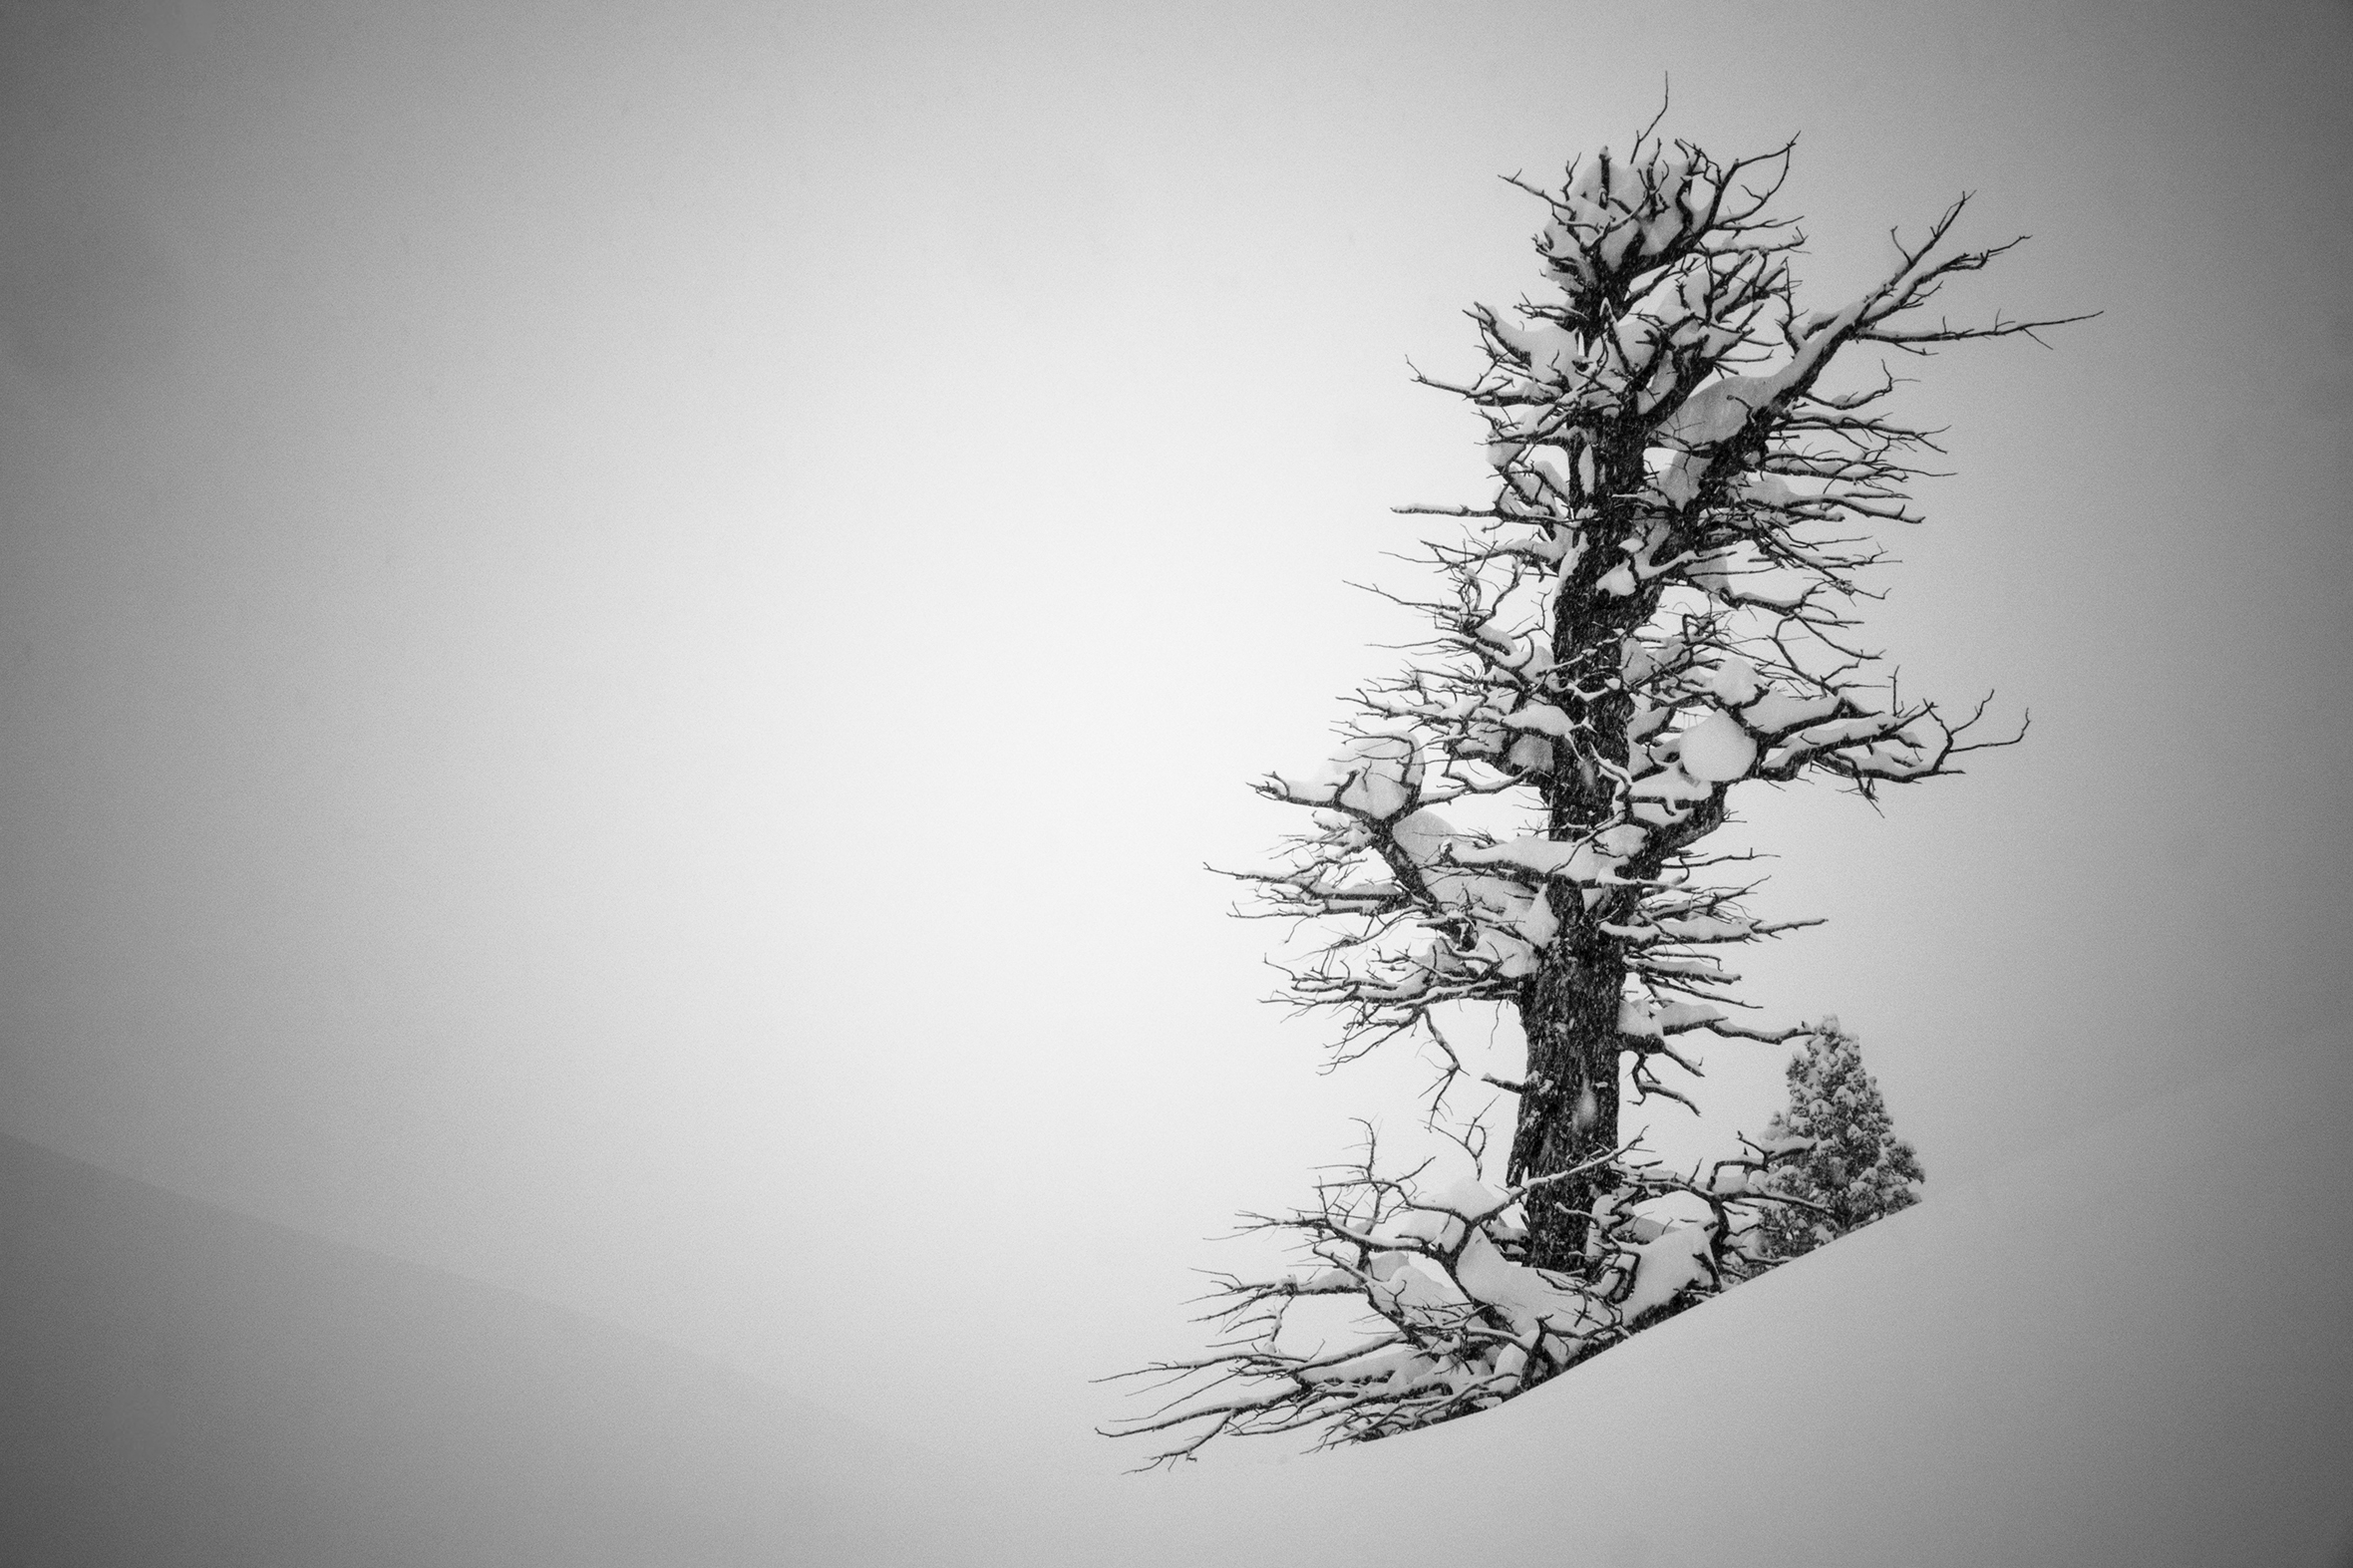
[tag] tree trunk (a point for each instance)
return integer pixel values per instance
(1569, 1009)
(1570, 1113)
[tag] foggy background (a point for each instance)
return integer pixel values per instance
(622, 637)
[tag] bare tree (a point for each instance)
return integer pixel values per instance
(1655, 608)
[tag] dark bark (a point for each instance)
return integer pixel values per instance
(1569, 1009)
(1570, 1112)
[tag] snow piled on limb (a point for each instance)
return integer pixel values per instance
(1440, 1315)
(1374, 776)
(1652, 610)
(1849, 1166)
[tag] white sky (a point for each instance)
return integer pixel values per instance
(620, 641)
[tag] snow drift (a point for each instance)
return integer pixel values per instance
(2132, 1349)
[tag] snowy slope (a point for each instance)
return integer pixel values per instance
(182, 1386)
(2131, 1348)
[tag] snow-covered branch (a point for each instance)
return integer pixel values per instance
(1439, 1315)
